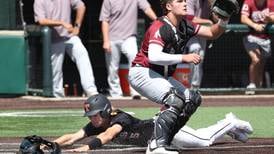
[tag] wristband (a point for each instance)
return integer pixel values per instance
(95, 143)
(222, 23)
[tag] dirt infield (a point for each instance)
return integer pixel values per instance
(229, 146)
(77, 102)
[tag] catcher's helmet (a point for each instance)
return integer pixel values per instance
(31, 145)
(97, 104)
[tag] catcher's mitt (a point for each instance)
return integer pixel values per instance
(225, 8)
(31, 145)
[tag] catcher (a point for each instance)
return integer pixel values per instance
(151, 76)
(161, 51)
(122, 128)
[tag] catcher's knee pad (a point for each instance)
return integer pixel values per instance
(192, 102)
(175, 98)
(185, 102)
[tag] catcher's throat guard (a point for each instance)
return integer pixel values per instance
(31, 145)
(225, 8)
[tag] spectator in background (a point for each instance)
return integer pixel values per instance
(199, 12)
(119, 28)
(57, 15)
(257, 14)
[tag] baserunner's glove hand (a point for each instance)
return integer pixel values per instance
(225, 8)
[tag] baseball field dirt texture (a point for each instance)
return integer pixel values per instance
(228, 146)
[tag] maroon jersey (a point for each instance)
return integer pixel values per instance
(173, 41)
(256, 14)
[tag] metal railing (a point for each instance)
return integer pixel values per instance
(241, 28)
(45, 35)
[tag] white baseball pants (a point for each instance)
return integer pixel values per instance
(80, 57)
(129, 48)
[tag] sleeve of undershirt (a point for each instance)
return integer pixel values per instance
(158, 57)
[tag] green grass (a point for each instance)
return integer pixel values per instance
(261, 118)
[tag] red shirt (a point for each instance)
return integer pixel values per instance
(256, 14)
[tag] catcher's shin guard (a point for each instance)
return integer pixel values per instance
(167, 120)
(164, 128)
(193, 100)
(181, 107)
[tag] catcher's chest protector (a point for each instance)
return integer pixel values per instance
(175, 41)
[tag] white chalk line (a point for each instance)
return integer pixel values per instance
(230, 147)
(52, 113)
(110, 148)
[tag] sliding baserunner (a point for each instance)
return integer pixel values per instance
(120, 127)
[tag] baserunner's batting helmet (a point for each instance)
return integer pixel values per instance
(97, 104)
